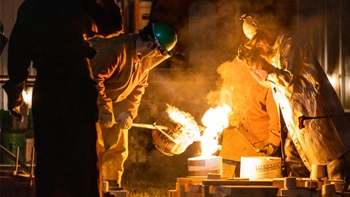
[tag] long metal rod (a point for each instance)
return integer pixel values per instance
(303, 117)
(154, 126)
(4, 78)
(149, 126)
(168, 136)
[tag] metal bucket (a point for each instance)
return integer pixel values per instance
(171, 143)
(176, 138)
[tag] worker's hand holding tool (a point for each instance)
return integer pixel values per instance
(124, 120)
(106, 119)
(269, 149)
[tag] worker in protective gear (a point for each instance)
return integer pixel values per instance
(254, 123)
(121, 68)
(286, 63)
(49, 34)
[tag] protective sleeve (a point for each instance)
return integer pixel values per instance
(104, 72)
(132, 102)
(105, 104)
(274, 121)
(290, 61)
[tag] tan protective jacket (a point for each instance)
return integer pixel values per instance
(120, 74)
(254, 113)
(301, 87)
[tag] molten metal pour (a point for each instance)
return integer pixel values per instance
(169, 140)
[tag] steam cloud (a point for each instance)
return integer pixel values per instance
(201, 72)
(208, 37)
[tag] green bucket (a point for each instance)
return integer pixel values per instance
(11, 141)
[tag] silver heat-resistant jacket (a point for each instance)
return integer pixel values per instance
(301, 87)
(120, 74)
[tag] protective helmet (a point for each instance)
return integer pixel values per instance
(165, 36)
(250, 26)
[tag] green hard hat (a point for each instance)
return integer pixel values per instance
(165, 36)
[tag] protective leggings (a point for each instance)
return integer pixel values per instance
(112, 148)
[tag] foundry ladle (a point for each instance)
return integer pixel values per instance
(154, 126)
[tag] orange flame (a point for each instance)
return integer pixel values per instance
(215, 121)
(189, 127)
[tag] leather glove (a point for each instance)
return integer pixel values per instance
(124, 120)
(252, 59)
(247, 56)
(269, 149)
(106, 119)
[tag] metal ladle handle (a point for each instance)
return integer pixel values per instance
(154, 126)
(149, 126)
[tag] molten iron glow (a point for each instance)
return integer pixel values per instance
(27, 96)
(215, 121)
(189, 128)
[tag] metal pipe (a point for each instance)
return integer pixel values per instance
(168, 136)
(149, 126)
(303, 117)
(154, 126)
(30, 79)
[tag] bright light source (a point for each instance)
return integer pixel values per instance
(332, 80)
(215, 120)
(27, 96)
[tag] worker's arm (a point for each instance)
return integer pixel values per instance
(132, 102)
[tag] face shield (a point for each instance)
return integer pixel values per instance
(159, 47)
(251, 31)
(250, 26)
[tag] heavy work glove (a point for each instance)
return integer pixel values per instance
(247, 56)
(124, 120)
(269, 149)
(106, 119)
(252, 59)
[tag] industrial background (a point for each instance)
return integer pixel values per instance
(209, 33)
